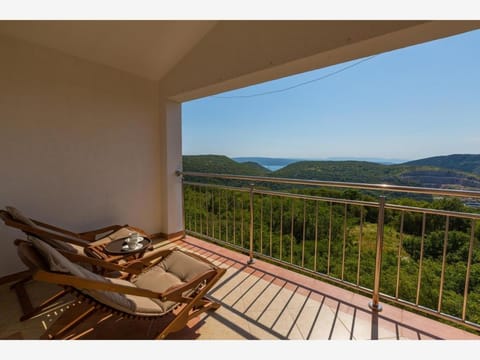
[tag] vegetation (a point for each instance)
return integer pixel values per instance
(422, 173)
(462, 162)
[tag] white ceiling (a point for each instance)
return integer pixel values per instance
(146, 48)
(197, 58)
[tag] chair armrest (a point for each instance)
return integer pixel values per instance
(133, 267)
(56, 229)
(81, 283)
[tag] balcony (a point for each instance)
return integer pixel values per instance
(259, 301)
(70, 113)
(266, 294)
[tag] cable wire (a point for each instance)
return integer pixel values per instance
(297, 85)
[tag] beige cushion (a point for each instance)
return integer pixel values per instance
(17, 215)
(184, 266)
(174, 270)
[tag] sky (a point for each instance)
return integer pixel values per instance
(407, 104)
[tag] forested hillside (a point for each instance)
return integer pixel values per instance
(221, 165)
(419, 173)
(462, 162)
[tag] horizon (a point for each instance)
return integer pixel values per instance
(413, 103)
(380, 160)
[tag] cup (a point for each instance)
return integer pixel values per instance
(133, 240)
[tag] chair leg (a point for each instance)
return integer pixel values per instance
(68, 320)
(199, 304)
(22, 295)
(44, 305)
(28, 309)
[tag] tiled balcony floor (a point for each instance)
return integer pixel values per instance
(259, 301)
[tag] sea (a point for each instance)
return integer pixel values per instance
(273, 167)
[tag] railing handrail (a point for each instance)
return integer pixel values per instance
(338, 184)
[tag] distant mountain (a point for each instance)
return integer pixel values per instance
(414, 173)
(462, 162)
(281, 162)
(373, 173)
(266, 161)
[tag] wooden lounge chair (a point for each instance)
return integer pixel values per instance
(78, 246)
(176, 286)
(60, 238)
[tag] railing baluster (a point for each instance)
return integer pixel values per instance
(200, 215)
(329, 238)
(467, 275)
(420, 261)
(281, 227)
(250, 260)
(261, 223)
(360, 238)
(234, 220)
(303, 237)
(206, 211)
(196, 207)
(242, 218)
(374, 304)
(271, 223)
(226, 216)
(444, 261)
(212, 201)
(189, 213)
(344, 244)
(316, 238)
(220, 192)
(399, 256)
(291, 230)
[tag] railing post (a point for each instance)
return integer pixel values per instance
(251, 260)
(374, 305)
(179, 173)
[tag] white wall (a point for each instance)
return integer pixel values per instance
(80, 144)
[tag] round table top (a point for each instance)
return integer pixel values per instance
(120, 247)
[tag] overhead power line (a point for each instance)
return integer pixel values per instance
(297, 85)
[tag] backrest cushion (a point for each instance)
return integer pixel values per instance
(184, 266)
(60, 263)
(18, 216)
(60, 245)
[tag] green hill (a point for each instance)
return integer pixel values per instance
(345, 171)
(408, 174)
(462, 162)
(220, 164)
(373, 173)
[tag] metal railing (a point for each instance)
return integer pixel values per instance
(344, 240)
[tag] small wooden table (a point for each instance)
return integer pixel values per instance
(117, 247)
(115, 250)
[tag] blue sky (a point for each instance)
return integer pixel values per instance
(411, 103)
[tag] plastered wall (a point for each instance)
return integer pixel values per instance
(80, 144)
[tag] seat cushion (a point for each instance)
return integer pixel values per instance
(184, 266)
(158, 280)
